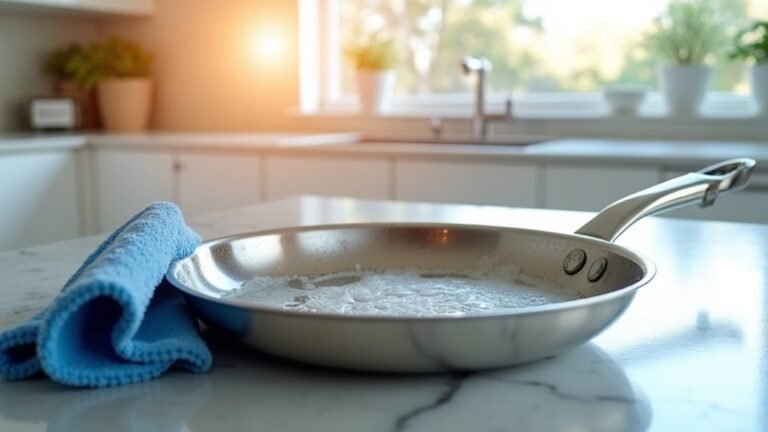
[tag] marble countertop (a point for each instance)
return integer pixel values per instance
(23, 143)
(655, 152)
(542, 149)
(689, 354)
(264, 140)
(228, 140)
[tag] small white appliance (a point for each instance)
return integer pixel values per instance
(53, 113)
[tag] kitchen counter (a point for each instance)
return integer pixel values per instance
(223, 140)
(653, 152)
(23, 143)
(689, 354)
(63, 141)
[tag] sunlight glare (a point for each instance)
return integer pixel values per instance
(267, 45)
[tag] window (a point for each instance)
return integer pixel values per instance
(543, 51)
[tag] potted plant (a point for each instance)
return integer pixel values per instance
(685, 37)
(752, 45)
(374, 58)
(59, 65)
(119, 70)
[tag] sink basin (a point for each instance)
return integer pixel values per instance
(516, 141)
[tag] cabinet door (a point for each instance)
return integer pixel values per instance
(512, 184)
(127, 181)
(594, 186)
(40, 196)
(747, 205)
(323, 175)
(210, 182)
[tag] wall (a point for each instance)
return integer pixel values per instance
(25, 38)
(207, 72)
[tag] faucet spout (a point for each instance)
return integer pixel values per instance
(480, 67)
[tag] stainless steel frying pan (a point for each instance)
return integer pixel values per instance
(604, 275)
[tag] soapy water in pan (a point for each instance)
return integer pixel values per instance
(404, 292)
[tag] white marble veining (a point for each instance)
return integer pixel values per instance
(691, 353)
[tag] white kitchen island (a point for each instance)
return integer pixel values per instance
(691, 353)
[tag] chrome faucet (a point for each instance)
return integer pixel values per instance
(480, 119)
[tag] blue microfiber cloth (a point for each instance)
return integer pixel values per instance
(116, 321)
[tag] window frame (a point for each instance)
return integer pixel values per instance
(320, 60)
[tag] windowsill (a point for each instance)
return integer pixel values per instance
(562, 106)
(725, 116)
(538, 115)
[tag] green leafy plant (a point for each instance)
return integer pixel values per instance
(375, 52)
(688, 33)
(58, 63)
(112, 58)
(752, 43)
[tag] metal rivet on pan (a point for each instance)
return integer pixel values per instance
(597, 269)
(574, 261)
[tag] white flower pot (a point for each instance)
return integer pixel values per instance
(759, 81)
(684, 87)
(375, 89)
(125, 104)
(624, 100)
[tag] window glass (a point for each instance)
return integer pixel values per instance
(534, 45)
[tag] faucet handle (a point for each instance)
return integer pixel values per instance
(436, 126)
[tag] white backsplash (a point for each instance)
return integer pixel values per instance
(25, 39)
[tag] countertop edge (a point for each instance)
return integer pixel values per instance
(348, 144)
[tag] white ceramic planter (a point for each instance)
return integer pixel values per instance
(684, 87)
(125, 104)
(375, 89)
(758, 78)
(624, 100)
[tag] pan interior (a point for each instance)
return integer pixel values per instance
(479, 269)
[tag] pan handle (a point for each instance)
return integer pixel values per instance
(702, 186)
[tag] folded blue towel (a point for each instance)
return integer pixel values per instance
(116, 321)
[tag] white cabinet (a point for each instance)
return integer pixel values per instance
(41, 198)
(748, 205)
(356, 177)
(125, 182)
(591, 187)
(502, 183)
(118, 7)
(212, 181)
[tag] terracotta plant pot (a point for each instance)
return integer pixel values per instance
(684, 87)
(375, 90)
(85, 100)
(758, 78)
(125, 104)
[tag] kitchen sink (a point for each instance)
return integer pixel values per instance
(515, 141)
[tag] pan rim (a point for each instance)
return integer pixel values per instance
(645, 264)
